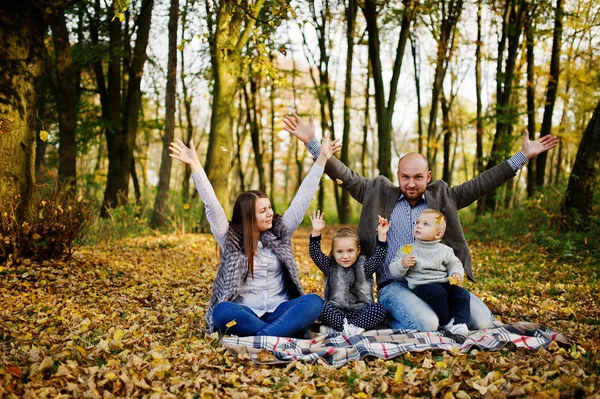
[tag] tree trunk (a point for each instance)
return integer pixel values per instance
(159, 216)
(252, 120)
(187, 103)
(417, 69)
(551, 90)
(444, 53)
(120, 136)
(385, 111)
(41, 145)
(351, 11)
(479, 122)
(447, 133)
(228, 35)
(529, 31)
(21, 57)
(506, 113)
(580, 189)
(63, 78)
(367, 122)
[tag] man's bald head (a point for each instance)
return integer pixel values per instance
(413, 176)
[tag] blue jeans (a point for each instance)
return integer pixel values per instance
(290, 318)
(408, 311)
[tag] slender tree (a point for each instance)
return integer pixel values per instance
(120, 96)
(529, 38)
(450, 14)
(506, 113)
(384, 109)
(229, 27)
(479, 102)
(159, 216)
(350, 13)
(65, 81)
(551, 90)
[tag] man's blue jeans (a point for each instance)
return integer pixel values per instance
(289, 319)
(409, 312)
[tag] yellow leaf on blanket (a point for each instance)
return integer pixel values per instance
(231, 324)
(406, 249)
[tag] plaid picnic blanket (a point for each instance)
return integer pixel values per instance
(338, 349)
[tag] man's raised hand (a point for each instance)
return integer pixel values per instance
(532, 148)
(297, 127)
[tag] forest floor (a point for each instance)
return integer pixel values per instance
(126, 319)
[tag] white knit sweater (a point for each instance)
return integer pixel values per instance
(435, 262)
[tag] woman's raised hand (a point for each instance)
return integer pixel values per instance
(185, 154)
(328, 148)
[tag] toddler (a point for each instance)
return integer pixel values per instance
(433, 273)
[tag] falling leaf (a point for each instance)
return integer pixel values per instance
(224, 149)
(339, 182)
(44, 135)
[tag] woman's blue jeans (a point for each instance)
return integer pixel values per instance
(289, 319)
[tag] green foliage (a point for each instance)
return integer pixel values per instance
(133, 220)
(51, 230)
(537, 222)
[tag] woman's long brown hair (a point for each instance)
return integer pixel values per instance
(244, 220)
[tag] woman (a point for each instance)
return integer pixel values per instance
(257, 288)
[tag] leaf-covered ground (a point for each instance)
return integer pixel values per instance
(126, 319)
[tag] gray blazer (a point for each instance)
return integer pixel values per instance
(378, 197)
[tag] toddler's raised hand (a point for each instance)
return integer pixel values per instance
(318, 222)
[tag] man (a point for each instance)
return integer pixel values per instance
(402, 205)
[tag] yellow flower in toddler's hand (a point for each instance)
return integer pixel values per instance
(453, 280)
(406, 249)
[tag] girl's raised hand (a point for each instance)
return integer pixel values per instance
(185, 154)
(382, 228)
(318, 222)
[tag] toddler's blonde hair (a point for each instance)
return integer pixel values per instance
(440, 219)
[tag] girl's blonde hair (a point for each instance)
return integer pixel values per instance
(344, 232)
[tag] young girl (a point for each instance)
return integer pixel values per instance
(348, 295)
(257, 289)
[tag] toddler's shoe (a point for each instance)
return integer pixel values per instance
(327, 330)
(458, 332)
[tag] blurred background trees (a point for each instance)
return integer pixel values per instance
(91, 93)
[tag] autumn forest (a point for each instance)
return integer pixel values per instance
(106, 256)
